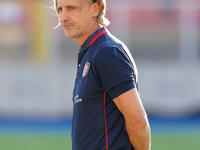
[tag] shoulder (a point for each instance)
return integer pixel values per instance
(112, 50)
(110, 46)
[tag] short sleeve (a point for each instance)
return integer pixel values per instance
(114, 71)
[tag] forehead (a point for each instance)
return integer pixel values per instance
(69, 2)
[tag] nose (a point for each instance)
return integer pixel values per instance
(63, 16)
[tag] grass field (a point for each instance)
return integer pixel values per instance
(166, 135)
(35, 143)
(159, 142)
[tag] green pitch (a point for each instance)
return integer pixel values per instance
(52, 142)
(35, 143)
(176, 142)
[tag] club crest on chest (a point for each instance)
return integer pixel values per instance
(85, 69)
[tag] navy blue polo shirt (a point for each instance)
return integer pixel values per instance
(106, 70)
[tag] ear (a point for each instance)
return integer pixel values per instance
(96, 9)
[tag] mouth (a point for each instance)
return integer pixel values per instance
(67, 26)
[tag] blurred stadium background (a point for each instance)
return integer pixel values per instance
(38, 67)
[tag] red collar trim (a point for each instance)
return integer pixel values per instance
(97, 36)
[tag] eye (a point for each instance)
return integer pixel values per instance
(72, 8)
(59, 10)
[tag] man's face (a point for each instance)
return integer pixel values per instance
(75, 17)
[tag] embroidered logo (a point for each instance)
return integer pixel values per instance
(77, 99)
(85, 69)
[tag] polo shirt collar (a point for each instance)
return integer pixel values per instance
(92, 38)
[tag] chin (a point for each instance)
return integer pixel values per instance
(70, 34)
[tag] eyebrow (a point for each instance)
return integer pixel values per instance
(70, 5)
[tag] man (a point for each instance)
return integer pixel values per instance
(107, 110)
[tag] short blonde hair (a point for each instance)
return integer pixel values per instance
(102, 20)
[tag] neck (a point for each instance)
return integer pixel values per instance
(82, 39)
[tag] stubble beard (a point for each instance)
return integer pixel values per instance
(71, 32)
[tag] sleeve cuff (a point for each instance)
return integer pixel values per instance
(121, 88)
